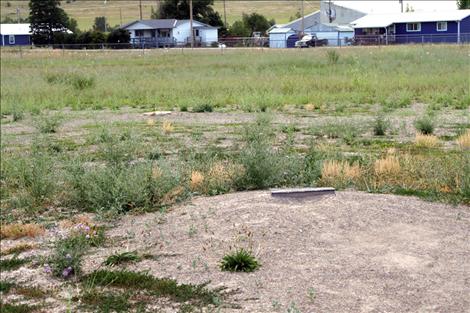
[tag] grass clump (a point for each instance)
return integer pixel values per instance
(5, 286)
(380, 126)
(425, 125)
(463, 141)
(120, 258)
(239, 261)
(155, 286)
(48, 124)
(15, 231)
(333, 57)
(12, 263)
(389, 165)
(426, 141)
(340, 173)
(203, 107)
(106, 301)
(17, 308)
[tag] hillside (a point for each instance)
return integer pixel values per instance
(86, 11)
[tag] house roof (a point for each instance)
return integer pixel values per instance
(309, 20)
(15, 29)
(385, 20)
(280, 30)
(165, 23)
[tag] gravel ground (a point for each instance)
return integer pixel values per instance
(353, 252)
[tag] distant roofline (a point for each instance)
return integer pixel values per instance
(166, 19)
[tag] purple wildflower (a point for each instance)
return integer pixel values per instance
(67, 272)
(47, 269)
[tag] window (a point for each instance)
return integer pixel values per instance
(139, 33)
(441, 26)
(196, 32)
(11, 39)
(413, 27)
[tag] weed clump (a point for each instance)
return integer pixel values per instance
(425, 125)
(48, 124)
(387, 166)
(340, 173)
(239, 261)
(12, 263)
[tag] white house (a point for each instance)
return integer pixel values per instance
(170, 32)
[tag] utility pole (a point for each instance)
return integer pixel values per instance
(225, 16)
(105, 22)
(18, 15)
(401, 3)
(120, 15)
(191, 22)
(140, 9)
(302, 13)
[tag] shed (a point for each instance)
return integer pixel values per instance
(15, 34)
(278, 37)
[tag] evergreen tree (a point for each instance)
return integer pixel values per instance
(179, 9)
(463, 4)
(46, 17)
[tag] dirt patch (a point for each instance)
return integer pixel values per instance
(354, 252)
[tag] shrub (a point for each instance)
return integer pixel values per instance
(463, 141)
(17, 114)
(333, 57)
(239, 261)
(48, 124)
(425, 125)
(380, 126)
(426, 141)
(203, 107)
(81, 82)
(120, 258)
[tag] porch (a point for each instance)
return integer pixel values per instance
(153, 42)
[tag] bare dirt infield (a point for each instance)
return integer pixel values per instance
(354, 252)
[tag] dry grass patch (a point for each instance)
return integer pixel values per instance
(15, 231)
(464, 140)
(167, 127)
(310, 107)
(197, 180)
(18, 249)
(340, 172)
(387, 166)
(426, 141)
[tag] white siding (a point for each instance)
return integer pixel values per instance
(279, 40)
(183, 31)
(209, 35)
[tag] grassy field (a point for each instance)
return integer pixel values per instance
(78, 154)
(248, 80)
(86, 11)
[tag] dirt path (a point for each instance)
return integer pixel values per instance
(354, 252)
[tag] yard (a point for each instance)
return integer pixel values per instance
(105, 208)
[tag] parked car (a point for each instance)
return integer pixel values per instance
(311, 41)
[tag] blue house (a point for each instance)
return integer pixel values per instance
(15, 34)
(413, 27)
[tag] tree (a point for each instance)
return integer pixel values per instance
(463, 4)
(239, 29)
(179, 9)
(46, 17)
(257, 23)
(100, 24)
(119, 38)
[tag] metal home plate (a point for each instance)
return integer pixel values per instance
(300, 193)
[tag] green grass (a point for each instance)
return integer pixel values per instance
(17, 308)
(165, 287)
(392, 76)
(239, 261)
(12, 263)
(123, 257)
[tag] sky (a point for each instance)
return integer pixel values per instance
(392, 6)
